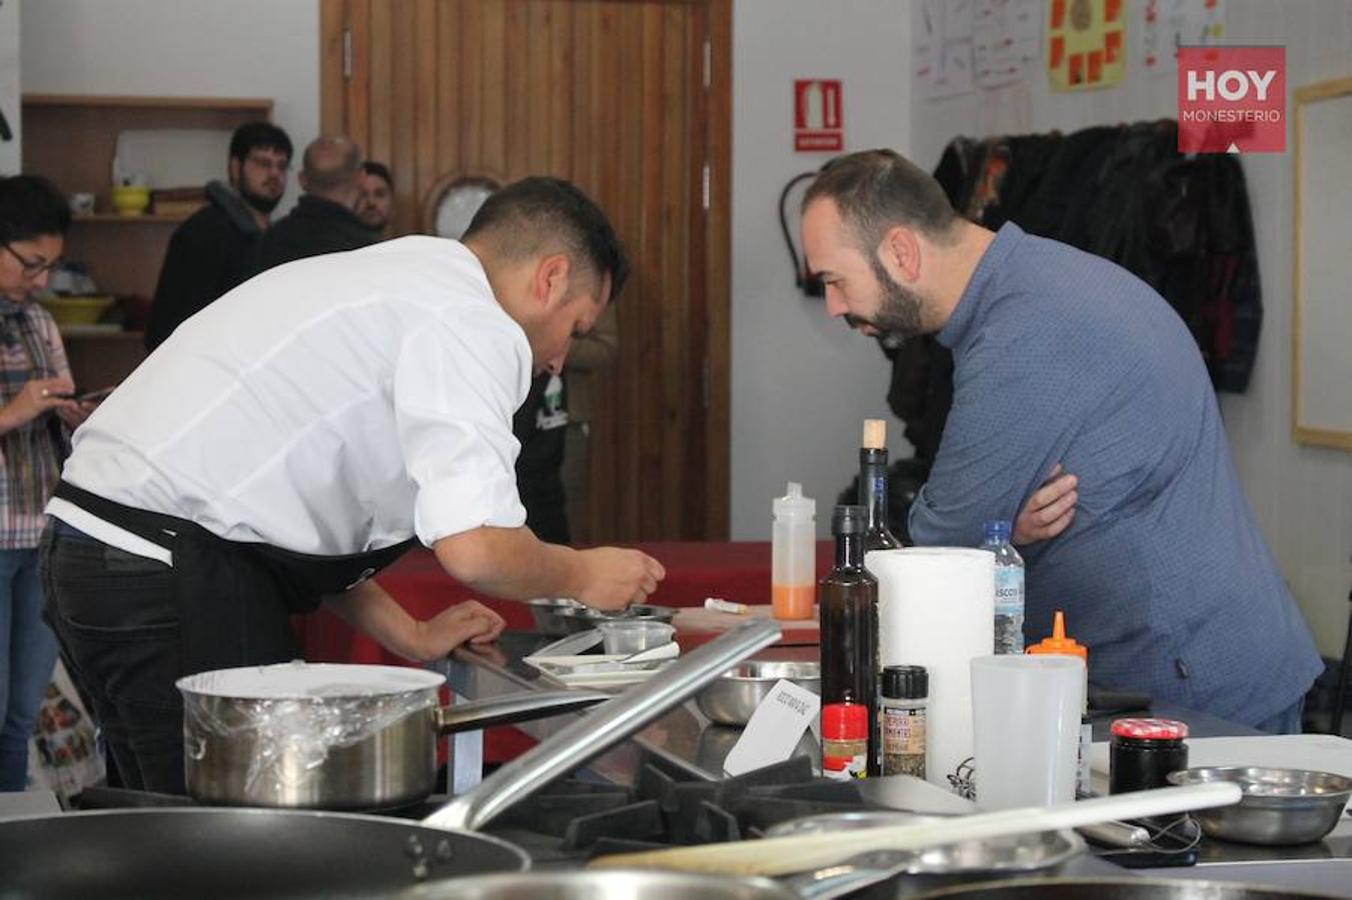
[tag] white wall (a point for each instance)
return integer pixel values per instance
(802, 384)
(207, 48)
(1302, 496)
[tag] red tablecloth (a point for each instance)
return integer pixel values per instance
(737, 571)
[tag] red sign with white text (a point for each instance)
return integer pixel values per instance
(818, 121)
(1231, 99)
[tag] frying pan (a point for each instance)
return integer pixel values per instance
(275, 853)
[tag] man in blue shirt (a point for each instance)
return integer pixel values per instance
(1063, 359)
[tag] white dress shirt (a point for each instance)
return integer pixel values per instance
(333, 405)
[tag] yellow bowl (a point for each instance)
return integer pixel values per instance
(130, 200)
(77, 310)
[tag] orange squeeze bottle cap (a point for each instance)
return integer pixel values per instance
(1059, 643)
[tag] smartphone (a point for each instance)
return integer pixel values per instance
(82, 396)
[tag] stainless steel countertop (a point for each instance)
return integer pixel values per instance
(685, 740)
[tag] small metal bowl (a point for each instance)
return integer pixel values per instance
(735, 695)
(581, 618)
(1015, 853)
(1279, 806)
(545, 613)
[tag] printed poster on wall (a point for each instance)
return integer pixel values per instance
(1170, 24)
(1006, 38)
(941, 47)
(9, 87)
(1086, 43)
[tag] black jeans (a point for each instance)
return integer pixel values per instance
(129, 627)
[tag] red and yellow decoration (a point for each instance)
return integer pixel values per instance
(1085, 43)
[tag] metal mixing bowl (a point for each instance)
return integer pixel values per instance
(545, 613)
(580, 618)
(735, 695)
(1279, 806)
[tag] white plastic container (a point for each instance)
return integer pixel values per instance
(793, 555)
(1026, 719)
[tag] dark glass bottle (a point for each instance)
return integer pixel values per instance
(873, 487)
(849, 625)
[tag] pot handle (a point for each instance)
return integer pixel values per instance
(524, 706)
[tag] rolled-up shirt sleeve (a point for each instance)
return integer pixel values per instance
(457, 384)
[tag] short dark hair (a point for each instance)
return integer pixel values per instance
(380, 170)
(875, 190)
(524, 216)
(31, 206)
(252, 135)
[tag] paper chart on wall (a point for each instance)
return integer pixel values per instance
(1170, 24)
(941, 47)
(1006, 37)
(1086, 44)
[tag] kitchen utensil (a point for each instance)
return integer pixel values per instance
(601, 885)
(777, 856)
(572, 645)
(613, 722)
(544, 611)
(332, 736)
(130, 200)
(253, 854)
(734, 697)
(1116, 889)
(634, 635)
(1280, 806)
(580, 618)
(1026, 724)
(1015, 853)
(669, 650)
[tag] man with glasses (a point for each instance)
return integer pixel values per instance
(217, 247)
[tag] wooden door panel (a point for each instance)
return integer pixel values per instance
(611, 95)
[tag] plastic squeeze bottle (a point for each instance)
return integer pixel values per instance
(793, 555)
(1061, 644)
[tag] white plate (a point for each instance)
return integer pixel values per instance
(580, 671)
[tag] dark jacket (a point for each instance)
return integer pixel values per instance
(541, 425)
(210, 253)
(315, 226)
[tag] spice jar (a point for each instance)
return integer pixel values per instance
(903, 703)
(1143, 752)
(845, 741)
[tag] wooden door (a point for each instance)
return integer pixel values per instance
(632, 102)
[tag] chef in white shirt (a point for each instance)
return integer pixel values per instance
(299, 434)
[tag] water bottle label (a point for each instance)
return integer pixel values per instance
(1008, 609)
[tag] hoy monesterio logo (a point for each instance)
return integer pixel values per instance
(1231, 99)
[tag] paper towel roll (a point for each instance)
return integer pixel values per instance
(936, 608)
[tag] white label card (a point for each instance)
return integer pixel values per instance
(775, 728)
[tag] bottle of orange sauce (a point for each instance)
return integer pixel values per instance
(793, 555)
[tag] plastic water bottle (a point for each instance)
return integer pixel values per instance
(1008, 588)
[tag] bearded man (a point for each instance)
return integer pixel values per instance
(217, 247)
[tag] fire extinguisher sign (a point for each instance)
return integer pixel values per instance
(818, 121)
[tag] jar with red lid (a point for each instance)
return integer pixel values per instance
(845, 741)
(1143, 752)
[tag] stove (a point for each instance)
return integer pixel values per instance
(575, 819)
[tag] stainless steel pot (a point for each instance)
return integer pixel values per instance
(735, 695)
(606, 885)
(1280, 806)
(1117, 889)
(328, 736)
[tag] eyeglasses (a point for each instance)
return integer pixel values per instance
(32, 268)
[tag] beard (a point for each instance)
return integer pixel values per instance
(899, 309)
(262, 203)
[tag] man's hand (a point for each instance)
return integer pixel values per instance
(614, 578)
(1049, 511)
(469, 622)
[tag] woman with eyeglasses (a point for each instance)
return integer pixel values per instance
(35, 401)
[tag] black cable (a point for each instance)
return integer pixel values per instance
(804, 279)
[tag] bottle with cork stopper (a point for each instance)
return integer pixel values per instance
(1061, 644)
(873, 487)
(793, 555)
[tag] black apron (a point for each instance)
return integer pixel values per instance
(235, 598)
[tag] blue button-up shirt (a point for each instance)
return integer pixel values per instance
(1060, 356)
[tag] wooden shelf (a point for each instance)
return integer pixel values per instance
(98, 332)
(258, 104)
(119, 219)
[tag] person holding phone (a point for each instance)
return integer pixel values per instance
(35, 409)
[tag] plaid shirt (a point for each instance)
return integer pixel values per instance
(30, 455)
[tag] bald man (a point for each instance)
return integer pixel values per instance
(324, 220)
